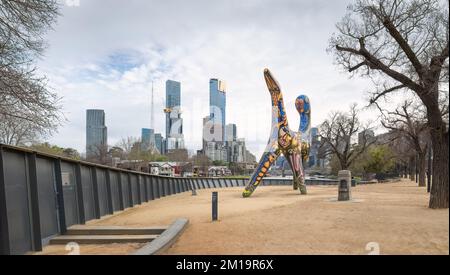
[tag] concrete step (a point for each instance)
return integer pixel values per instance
(102, 239)
(114, 230)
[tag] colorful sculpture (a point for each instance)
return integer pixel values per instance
(293, 145)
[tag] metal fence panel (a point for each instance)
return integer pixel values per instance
(114, 185)
(17, 202)
(102, 192)
(47, 197)
(134, 190)
(70, 193)
(150, 193)
(125, 190)
(141, 188)
(88, 193)
(156, 187)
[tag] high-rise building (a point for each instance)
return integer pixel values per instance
(216, 151)
(313, 159)
(96, 133)
(236, 150)
(147, 139)
(231, 132)
(174, 122)
(206, 133)
(217, 105)
(159, 143)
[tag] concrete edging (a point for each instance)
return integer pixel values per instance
(165, 240)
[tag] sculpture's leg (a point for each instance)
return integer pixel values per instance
(303, 106)
(266, 161)
(294, 159)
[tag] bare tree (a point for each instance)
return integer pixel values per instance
(99, 153)
(409, 121)
(23, 94)
(15, 131)
(127, 144)
(402, 45)
(339, 137)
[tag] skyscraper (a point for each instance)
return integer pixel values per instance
(314, 148)
(231, 132)
(147, 139)
(174, 122)
(159, 143)
(217, 105)
(96, 133)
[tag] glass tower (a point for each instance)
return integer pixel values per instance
(147, 139)
(174, 122)
(96, 132)
(217, 104)
(173, 103)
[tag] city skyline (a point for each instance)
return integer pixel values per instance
(115, 72)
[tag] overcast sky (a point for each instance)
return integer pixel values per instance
(105, 53)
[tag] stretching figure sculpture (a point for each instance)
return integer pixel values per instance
(293, 145)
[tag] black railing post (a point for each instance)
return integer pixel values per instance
(163, 187)
(4, 231)
(34, 203)
(138, 183)
(60, 197)
(108, 192)
(79, 190)
(95, 191)
(151, 188)
(130, 190)
(119, 185)
(146, 188)
(158, 187)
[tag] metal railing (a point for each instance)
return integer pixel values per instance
(42, 195)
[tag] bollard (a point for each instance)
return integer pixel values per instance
(193, 188)
(215, 199)
(345, 178)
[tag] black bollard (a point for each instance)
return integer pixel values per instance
(215, 200)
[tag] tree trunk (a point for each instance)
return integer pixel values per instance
(412, 169)
(439, 176)
(422, 167)
(439, 186)
(429, 169)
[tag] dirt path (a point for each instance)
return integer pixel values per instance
(276, 220)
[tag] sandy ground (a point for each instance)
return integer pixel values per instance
(277, 220)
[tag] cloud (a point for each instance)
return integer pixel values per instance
(105, 54)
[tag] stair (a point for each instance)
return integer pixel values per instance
(102, 239)
(114, 230)
(83, 234)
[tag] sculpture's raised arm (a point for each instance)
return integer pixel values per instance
(277, 98)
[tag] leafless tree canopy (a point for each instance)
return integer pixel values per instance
(339, 136)
(406, 40)
(408, 120)
(23, 93)
(15, 131)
